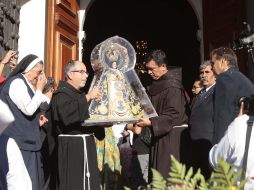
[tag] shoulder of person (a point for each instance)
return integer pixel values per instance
(236, 131)
(240, 121)
(18, 82)
(224, 76)
(65, 93)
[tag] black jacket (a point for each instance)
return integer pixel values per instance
(230, 87)
(201, 118)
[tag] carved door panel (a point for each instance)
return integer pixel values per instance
(62, 36)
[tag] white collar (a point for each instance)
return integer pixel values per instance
(206, 89)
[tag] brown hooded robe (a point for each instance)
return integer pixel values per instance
(168, 98)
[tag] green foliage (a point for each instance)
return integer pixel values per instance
(179, 178)
(158, 181)
(224, 177)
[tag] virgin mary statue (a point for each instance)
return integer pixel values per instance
(123, 96)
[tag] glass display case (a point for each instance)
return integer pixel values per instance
(124, 99)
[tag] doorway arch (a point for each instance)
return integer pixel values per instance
(168, 25)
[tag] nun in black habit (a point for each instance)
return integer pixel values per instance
(22, 92)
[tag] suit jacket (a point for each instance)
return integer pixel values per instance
(201, 118)
(230, 87)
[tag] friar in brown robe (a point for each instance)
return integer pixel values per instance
(168, 98)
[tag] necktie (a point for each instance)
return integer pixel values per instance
(202, 92)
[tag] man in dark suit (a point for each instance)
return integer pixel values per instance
(201, 120)
(231, 85)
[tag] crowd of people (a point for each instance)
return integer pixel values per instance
(44, 144)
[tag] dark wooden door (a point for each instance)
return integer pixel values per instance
(223, 22)
(62, 36)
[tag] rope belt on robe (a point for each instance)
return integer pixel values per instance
(87, 174)
(183, 125)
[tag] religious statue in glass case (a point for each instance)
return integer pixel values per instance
(124, 99)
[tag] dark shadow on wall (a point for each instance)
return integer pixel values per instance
(167, 25)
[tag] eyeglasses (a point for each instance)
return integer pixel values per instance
(81, 72)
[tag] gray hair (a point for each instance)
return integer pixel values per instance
(205, 64)
(70, 65)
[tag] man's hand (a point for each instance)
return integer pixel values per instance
(8, 56)
(13, 63)
(42, 120)
(133, 127)
(136, 129)
(144, 122)
(95, 93)
(129, 126)
(125, 133)
(49, 94)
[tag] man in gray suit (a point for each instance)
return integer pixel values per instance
(201, 120)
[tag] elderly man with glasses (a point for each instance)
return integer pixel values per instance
(74, 159)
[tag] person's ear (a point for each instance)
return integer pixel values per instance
(164, 67)
(224, 62)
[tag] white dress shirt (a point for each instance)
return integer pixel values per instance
(19, 95)
(17, 176)
(231, 148)
(208, 88)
